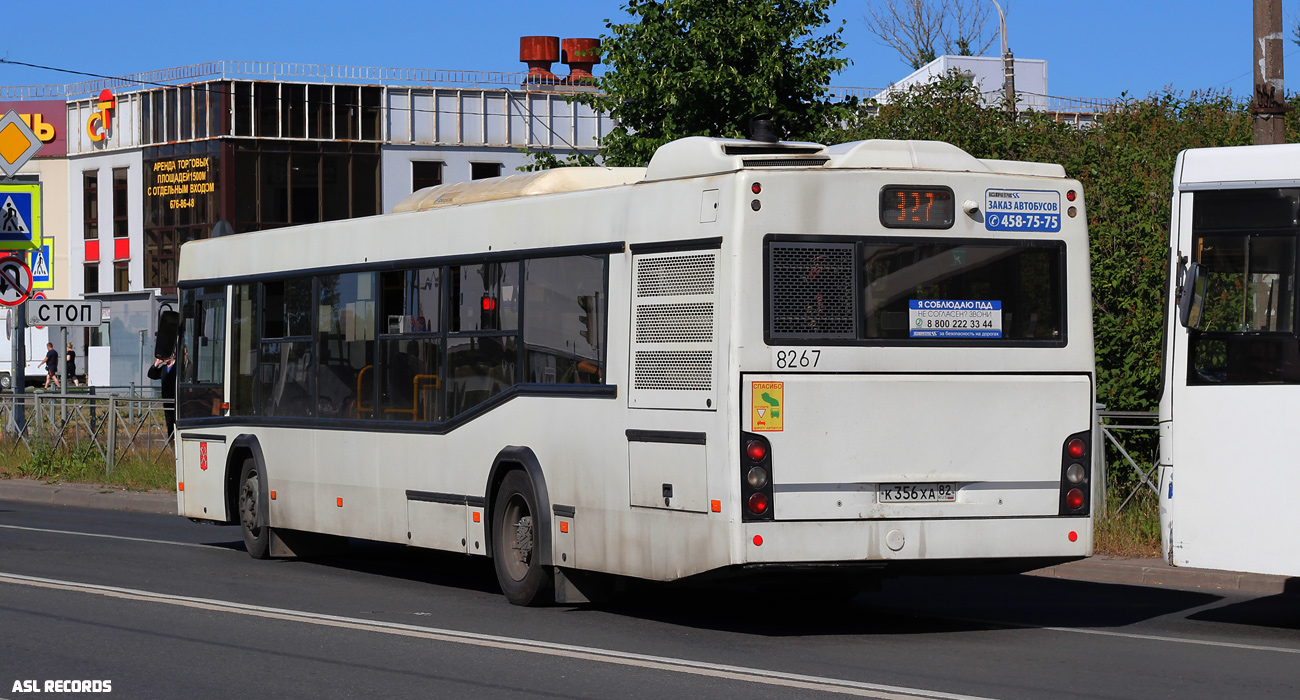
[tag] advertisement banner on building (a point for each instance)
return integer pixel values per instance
(48, 119)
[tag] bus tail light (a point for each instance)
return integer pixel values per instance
(756, 477)
(1076, 469)
(1073, 499)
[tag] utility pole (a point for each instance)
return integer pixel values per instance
(1008, 64)
(1268, 106)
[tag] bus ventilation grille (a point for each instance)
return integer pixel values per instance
(674, 370)
(811, 290)
(785, 162)
(674, 323)
(677, 275)
(674, 334)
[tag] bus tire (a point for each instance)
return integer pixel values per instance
(520, 573)
(253, 518)
(6, 382)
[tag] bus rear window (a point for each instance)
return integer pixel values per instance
(986, 291)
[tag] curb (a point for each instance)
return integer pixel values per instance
(87, 496)
(1154, 572)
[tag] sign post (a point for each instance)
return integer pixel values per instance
(64, 313)
(15, 287)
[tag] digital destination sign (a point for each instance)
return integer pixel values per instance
(916, 207)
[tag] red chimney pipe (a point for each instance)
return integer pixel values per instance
(539, 52)
(580, 55)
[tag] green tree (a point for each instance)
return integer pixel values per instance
(704, 67)
(1125, 162)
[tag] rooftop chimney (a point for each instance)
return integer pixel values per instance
(539, 52)
(580, 55)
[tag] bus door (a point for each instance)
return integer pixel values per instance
(1235, 382)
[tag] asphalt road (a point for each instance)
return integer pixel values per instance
(164, 608)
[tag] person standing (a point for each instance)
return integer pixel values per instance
(71, 361)
(51, 363)
(166, 371)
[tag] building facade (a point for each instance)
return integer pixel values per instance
(145, 163)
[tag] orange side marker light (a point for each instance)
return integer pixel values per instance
(272, 495)
(180, 486)
(715, 506)
(477, 516)
(564, 526)
(340, 501)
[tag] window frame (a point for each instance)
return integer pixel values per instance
(1255, 337)
(859, 301)
(449, 422)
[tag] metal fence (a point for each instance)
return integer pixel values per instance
(117, 427)
(1109, 422)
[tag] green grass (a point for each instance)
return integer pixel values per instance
(82, 463)
(1135, 532)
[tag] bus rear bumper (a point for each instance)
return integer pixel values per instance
(917, 540)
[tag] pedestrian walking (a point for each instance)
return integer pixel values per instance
(71, 359)
(51, 363)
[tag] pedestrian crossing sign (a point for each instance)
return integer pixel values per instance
(41, 261)
(20, 216)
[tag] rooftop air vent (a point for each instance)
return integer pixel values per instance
(785, 162)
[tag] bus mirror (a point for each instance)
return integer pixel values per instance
(165, 337)
(1191, 305)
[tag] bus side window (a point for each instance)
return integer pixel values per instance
(409, 357)
(286, 358)
(564, 320)
(243, 350)
(346, 346)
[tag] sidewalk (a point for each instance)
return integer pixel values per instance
(1098, 569)
(1154, 572)
(87, 496)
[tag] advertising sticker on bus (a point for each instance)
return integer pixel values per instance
(1022, 210)
(768, 412)
(954, 318)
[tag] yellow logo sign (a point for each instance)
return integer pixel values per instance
(768, 412)
(101, 120)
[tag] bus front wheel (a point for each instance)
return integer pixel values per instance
(253, 518)
(520, 573)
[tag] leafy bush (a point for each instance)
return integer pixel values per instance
(1125, 162)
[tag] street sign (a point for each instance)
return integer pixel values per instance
(64, 312)
(15, 281)
(18, 143)
(20, 215)
(41, 261)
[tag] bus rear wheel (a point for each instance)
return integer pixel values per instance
(515, 555)
(253, 518)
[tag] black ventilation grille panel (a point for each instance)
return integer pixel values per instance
(811, 290)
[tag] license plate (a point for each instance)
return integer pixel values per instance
(916, 493)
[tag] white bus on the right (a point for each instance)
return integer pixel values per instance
(1230, 402)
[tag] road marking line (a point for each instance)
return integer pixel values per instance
(1074, 630)
(596, 654)
(1159, 638)
(111, 537)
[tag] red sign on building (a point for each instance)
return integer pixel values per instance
(48, 118)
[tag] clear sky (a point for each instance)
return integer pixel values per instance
(1097, 48)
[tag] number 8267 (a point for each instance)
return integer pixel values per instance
(797, 359)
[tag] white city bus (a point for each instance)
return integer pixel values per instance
(748, 358)
(1231, 394)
